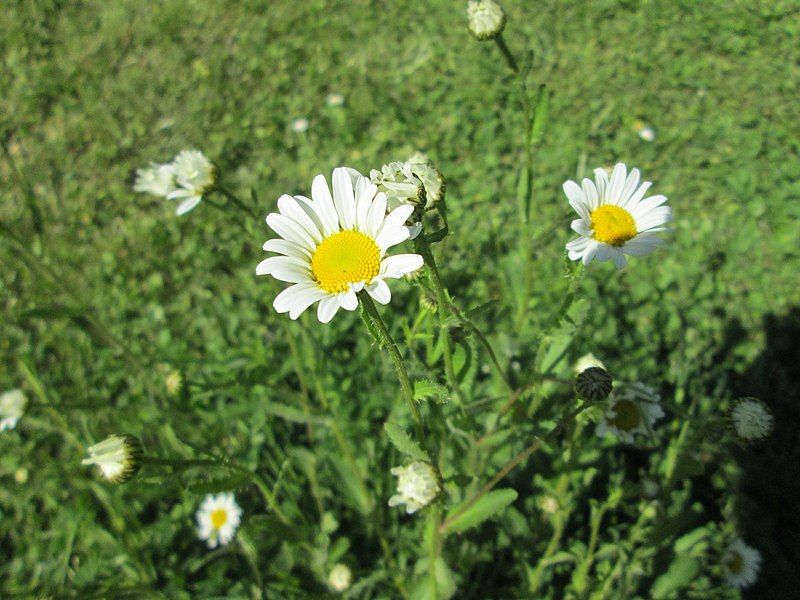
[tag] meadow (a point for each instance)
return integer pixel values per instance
(121, 317)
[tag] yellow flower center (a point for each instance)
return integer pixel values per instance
(613, 225)
(218, 518)
(628, 416)
(735, 563)
(343, 258)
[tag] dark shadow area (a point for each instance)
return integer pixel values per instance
(768, 507)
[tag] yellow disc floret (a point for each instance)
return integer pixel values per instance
(628, 416)
(218, 518)
(343, 258)
(613, 225)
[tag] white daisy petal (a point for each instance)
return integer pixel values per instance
(590, 193)
(400, 264)
(618, 176)
(327, 309)
(375, 215)
(323, 203)
(343, 198)
(286, 248)
(290, 230)
(576, 199)
(187, 205)
(630, 186)
(348, 300)
(380, 292)
(289, 207)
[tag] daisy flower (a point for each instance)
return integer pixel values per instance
(218, 519)
(194, 176)
(741, 564)
(417, 486)
(12, 407)
(615, 217)
(632, 408)
(158, 179)
(340, 577)
(334, 246)
(118, 457)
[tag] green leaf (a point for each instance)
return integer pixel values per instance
(486, 507)
(539, 114)
(425, 389)
(403, 442)
(349, 485)
(678, 576)
(289, 413)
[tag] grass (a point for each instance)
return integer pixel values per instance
(105, 290)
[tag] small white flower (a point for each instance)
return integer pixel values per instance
(486, 19)
(632, 408)
(300, 125)
(340, 577)
(648, 134)
(157, 179)
(334, 100)
(751, 419)
(417, 486)
(615, 218)
(334, 246)
(118, 457)
(173, 383)
(218, 519)
(741, 564)
(12, 407)
(194, 176)
(586, 361)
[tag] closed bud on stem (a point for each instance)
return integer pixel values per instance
(593, 384)
(118, 457)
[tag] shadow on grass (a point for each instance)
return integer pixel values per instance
(768, 508)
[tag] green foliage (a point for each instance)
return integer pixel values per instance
(105, 293)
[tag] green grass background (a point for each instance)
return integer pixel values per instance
(103, 288)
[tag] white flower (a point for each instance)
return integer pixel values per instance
(194, 176)
(333, 247)
(157, 179)
(417, 486)
(741, 564)
(632, 408)
(118, 457)
(486, 19)
(300, 125)
(616, 219)
(12, 407)
(218, 518)
(340, 577)
(334, 99)
(648, 134)
(751, 419)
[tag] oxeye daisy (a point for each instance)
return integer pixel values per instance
(632, 408)
(741, 564)
(218, 519)
(615, 217)
(12, 407)
(417, 486)
(195, 175)
(334, 246)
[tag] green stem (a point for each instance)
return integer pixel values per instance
(510, 465)
(399, 364)
(424, 248)
(501, 43)
(235, 200)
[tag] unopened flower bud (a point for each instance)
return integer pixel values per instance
(118, 457)
(593, 384)
(486, 19)
(340, 577)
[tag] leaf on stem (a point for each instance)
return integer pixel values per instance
(401, 440)
(485, 507)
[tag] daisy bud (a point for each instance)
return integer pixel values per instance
(750, 419)
(12, 407)
(741, 564)
(417, 486)
(118, 457)
(486, 19)
(593, 384)
(340, 578)
(429, 302)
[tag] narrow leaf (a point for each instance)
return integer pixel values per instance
(484, 508)
(401, 440)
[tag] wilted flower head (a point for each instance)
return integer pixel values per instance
(158, 179)
(218, 519)
(632, 408)
(615, 217)
(417, 486)
(741, 564)
(334, 246)
(593, 384)
(486, 19)
(12, 407)
(340, 577)
(751, 419)
(118, 457)
(195, 176)
(174, 383)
